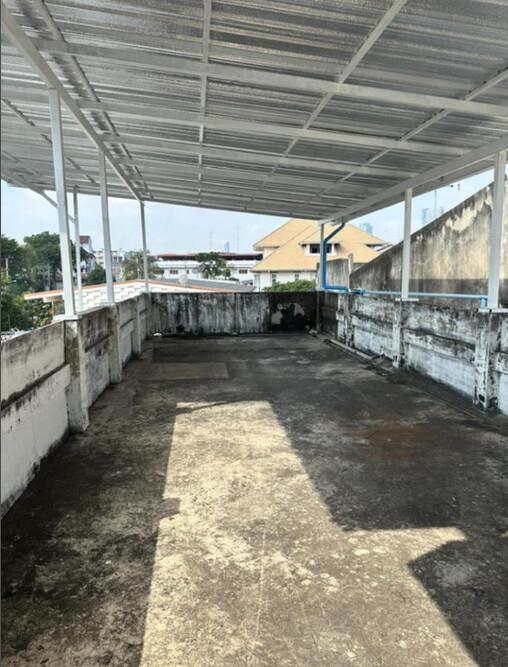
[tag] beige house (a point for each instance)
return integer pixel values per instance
(291, 252)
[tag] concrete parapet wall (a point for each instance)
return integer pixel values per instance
(35, 377)
(235, 313)
(450, 255)
(501, 367)
(52, 375)
(464, 349)
(96, 340)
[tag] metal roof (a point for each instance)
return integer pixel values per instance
(313, 108)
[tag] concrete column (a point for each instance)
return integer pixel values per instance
(105, 229)
(77, 391)
(488, 344)
(61, 198)
(406, 244)
(145, 256)
(496, 230)
(114, 346)
(77, 247)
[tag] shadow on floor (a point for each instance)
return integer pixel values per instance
(79, 547)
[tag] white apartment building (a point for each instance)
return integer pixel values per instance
(240, 264)
(118, 257)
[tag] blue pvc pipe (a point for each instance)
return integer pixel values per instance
(366, 292)
(324, 286)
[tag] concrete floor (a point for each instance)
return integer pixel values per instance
(264, 501)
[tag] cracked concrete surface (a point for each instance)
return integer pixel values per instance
(264, 501)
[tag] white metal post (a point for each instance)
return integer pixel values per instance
(320, 280)
(496, 230)
(143, 235)
(61, 198)
(406, 244)
(105, 229)
(77, 247)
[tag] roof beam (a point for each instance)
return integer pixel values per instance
(25, 46)
(207, 18)
(20, 183)
(264, 79)
(368, 43)
(44, 135)
(499, 77)
(396, 193)
(79, 73)
(170, 146)
(185, 118)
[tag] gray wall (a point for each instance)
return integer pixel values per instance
(233, 313)
(464, 349)
(448, 255)
(52, 375)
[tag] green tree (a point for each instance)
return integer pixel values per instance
(133, 266)
(13, 259)
(42, 260)
(212, 265)
(15, 312)
(97, 275)
(296, 286)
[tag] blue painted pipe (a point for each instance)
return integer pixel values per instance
(366, 292)
(324, 286)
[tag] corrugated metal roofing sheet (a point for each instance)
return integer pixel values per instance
(277, 137)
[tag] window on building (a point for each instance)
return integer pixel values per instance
(273, 277)
(243, 271)
(314, 248)
(297, 276)
(173, 272)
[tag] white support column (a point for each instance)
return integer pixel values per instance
(105, 229)
(143, 236)
(406, 245)
(61, 198)
(496, 230)
(320, 281)
(77, 247)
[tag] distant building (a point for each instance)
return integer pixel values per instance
(118, 257)
(89, 261)
(291, 252)
(240, 264)
(366, 226)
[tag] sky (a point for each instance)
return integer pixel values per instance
(184, 229)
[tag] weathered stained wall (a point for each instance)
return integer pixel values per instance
(52, 375)
(464, 349)
(338, 271)
(34, 409)
(449, 255)
(501, 367)
(96, 341)
(239, 313)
